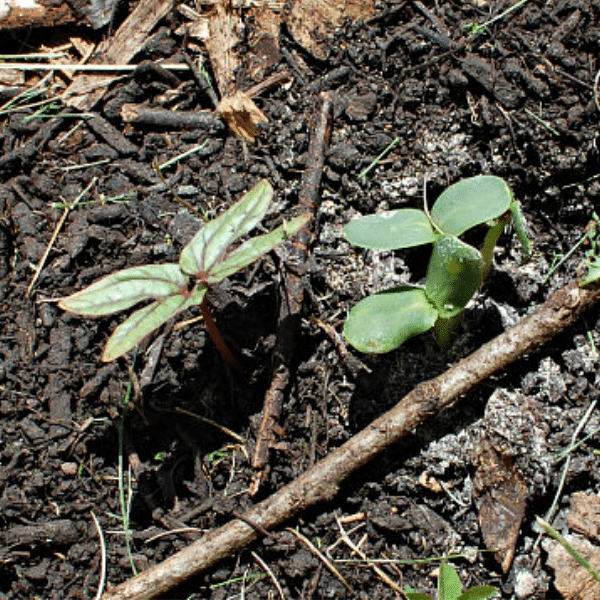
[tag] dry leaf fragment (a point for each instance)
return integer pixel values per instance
(242, 115)
(503, 500)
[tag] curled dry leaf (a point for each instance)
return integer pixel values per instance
(242, 115)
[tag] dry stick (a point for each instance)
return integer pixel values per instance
(293, 292)
(322, 482)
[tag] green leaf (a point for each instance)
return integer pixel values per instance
(480, 592)
(384, 321)
(454, 273)
(254, 248)
(415, 596)
(210, 244)
(471, 202)
(449, 586)
(125, 288)
(145, 320)
(391, 230)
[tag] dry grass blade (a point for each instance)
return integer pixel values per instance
(102, 581)
(380, 572)
(321, 557)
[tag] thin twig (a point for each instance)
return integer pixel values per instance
(292, 294)
(102, 581)
(322, 482)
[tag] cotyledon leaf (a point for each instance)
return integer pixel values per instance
(123, 289)
(384, 321)
(454, 273)
(254, 248)
(145, 320)
(210, 244)
(470, 202)
(391, 230)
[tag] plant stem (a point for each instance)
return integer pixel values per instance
(445, 330)
(491, 238)
(217, 338)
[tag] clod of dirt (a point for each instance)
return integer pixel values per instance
(571, 579)
(584, 516)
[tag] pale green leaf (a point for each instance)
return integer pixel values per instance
(210, 244)
(391, 230)
(454, 273)
(416, 596)
(125, 288)
(449, 586)
(254, 248)
(471, 202)
(145, 320)
(480, 592)
(384, 321)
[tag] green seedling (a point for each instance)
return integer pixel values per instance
(449, 588)
(384, 321)
(173, 288)
(476, 29)
(591, 264)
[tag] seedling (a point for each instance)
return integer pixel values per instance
(384, 321)
(206, 260)
(591, 264)
(449, 588)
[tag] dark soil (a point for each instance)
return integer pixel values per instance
(517, 102)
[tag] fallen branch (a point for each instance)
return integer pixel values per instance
(292, 293)
(322, 482)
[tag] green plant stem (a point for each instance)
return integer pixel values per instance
(445, 330)
(217, 338)
(124, 502)
(491, 239)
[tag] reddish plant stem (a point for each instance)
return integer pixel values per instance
(217, 338)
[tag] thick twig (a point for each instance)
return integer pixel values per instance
(322, 482)
(293, 292)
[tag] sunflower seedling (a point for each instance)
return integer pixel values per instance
(384, 321)
(174, 287)
(449, 588)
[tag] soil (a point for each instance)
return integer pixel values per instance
(130, 441)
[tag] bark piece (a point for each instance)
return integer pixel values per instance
(309, 21)
(571, 580)
(321, 483)
(111, 135)
(584, 516)
(86, 90)
(15, 14)
(224, 24)
(170, 119)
